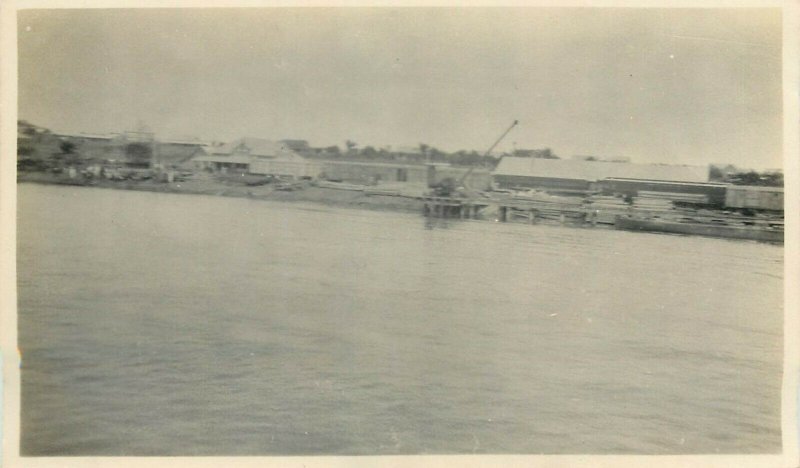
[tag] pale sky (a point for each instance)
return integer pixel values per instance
(688, 86)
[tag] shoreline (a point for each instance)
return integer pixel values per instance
(210, 187)
(308, 192)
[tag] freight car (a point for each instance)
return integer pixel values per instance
(754, 198)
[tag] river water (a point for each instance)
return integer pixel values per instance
(162, 324)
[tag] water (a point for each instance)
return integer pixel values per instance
(159, 324)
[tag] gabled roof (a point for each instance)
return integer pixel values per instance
(221, 158)
(296, 145)
(597, 170)
(175, 153)
(257, 147)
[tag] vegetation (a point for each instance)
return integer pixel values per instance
(545, 153)
(67, 147)
(423, 153)
(139, 154)
(732, 175)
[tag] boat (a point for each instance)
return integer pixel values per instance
(757, 233)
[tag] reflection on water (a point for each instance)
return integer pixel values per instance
(185, 325)
(435, 222)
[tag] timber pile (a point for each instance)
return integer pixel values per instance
(648, 203)
(544, 199)
(604, 209)
(340, 186)
(553, 212)
(377, 191)
(604, 202)
(696, 198)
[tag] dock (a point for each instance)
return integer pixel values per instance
(507, 210)
(639, 217)
(451, 207)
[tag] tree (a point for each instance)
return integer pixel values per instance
(351, 145)
(423, 149)
(547, 153)
(768, 179)
(749, 178)
(715, 173)
(139, 154)
(24, 150)
(773, 179)
(437, 154)
(491, 161)
(369, 152)
(67, 147)
(29, 130)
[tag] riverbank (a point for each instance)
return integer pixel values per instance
(410, 198)
(302, 192)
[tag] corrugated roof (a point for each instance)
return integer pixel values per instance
(399, 165)
(257, 147)
(175, 153)
(221, 158)
(597, 170)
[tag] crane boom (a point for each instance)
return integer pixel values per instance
(464, 177)
(501, 138)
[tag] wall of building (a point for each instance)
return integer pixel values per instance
(280, 167)
(757, 198)
(357, 172)
(511, 181)
(365, 172)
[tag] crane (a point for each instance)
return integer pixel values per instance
(447, 186)
(463, 180)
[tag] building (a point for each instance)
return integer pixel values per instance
(421, 174)
(372, 172)
(589, 157)
(298, 146)
(36, 146)
(178, 153)
(92, 146)
(255, 156)
(583, 175)
(754, 197)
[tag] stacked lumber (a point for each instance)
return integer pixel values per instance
(377, 191)
(340, 186)
(545, 199)
(675, 197)
(603, 209)
(652, 204)
(603, 202)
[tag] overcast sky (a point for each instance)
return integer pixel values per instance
(692, 86)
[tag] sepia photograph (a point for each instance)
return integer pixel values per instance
(399, 231)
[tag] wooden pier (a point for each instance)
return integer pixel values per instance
(448, 207)
(507, 210)
(676, 220)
